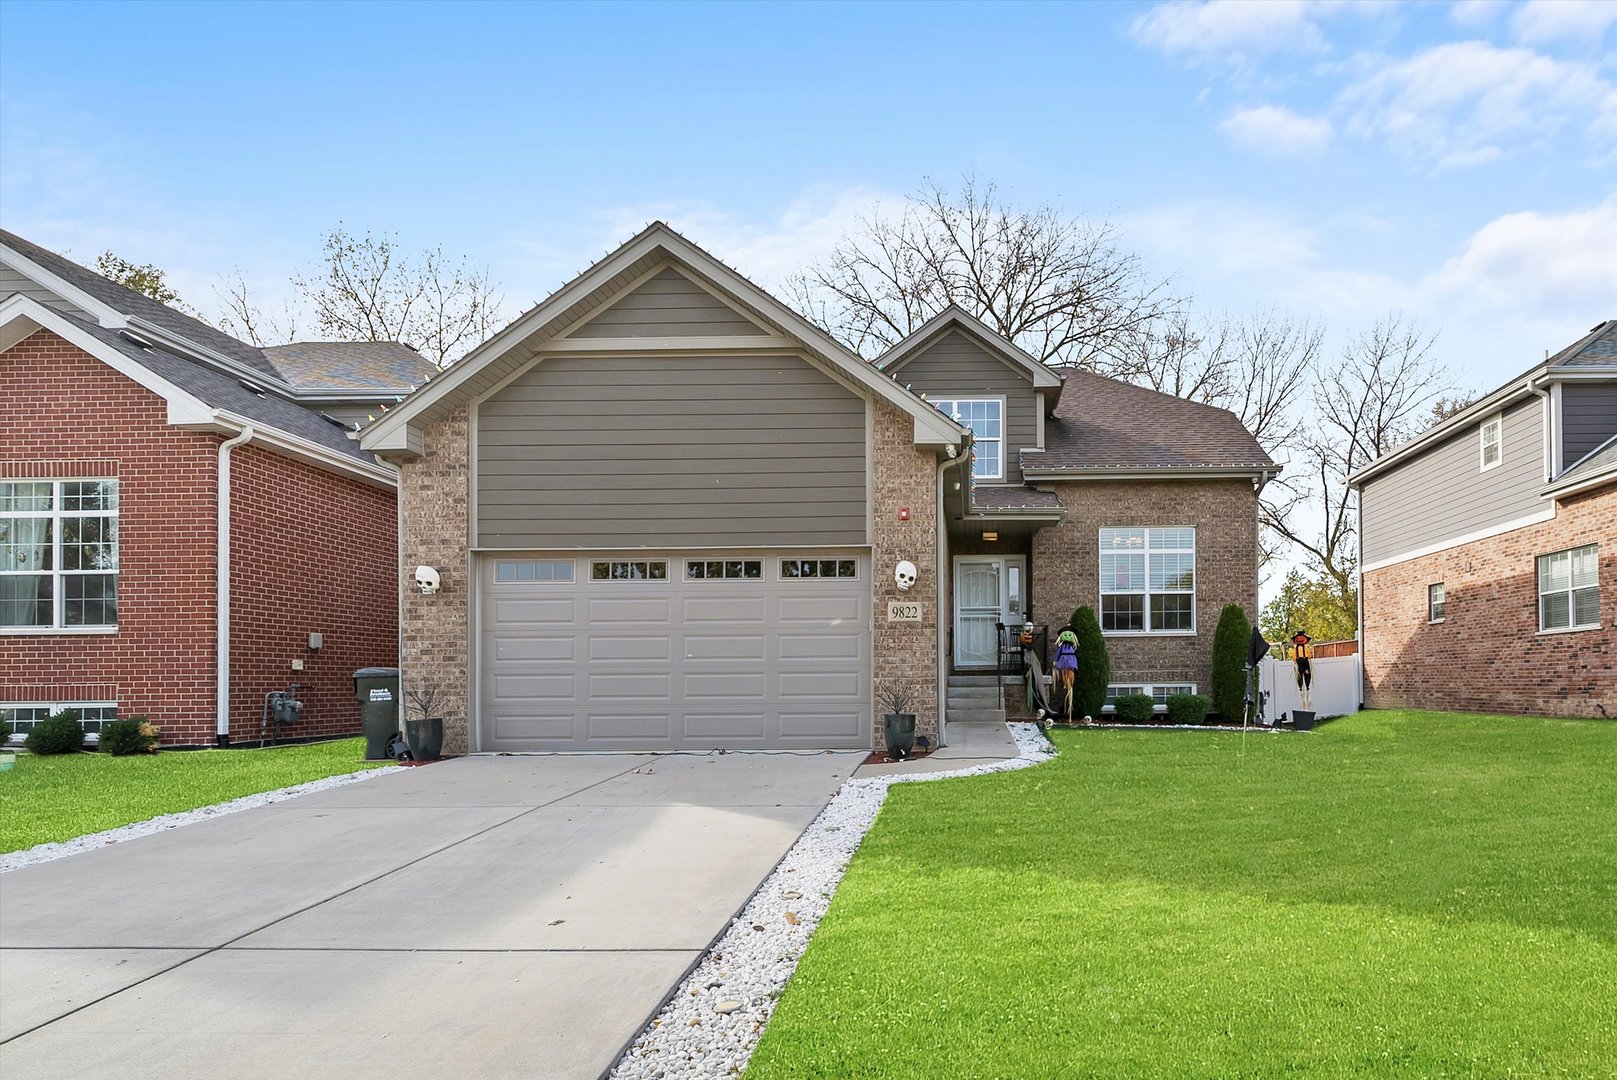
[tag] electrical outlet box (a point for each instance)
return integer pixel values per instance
(316, 641)
(297, 665)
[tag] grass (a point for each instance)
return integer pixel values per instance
(1399, 894)
(59, 797)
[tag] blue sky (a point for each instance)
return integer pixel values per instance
(1333, 160)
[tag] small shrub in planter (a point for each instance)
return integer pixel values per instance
(1135, 708)
(59, 734)
(1188, 708)
(132, 736)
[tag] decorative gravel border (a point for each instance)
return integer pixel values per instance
(61, 849)
(715, 1017)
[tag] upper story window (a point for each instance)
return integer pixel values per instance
(58, 555)
(1492, 439)
(1569, 589)
(1148, 580)
(986, 419)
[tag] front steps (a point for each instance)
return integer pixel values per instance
(975, 699)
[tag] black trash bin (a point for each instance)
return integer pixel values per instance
(377, 689)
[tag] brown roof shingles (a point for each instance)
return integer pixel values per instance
(991, 500)
(1103, 423)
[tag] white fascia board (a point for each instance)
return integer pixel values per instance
(107, 316)
(1508, 394)
(1580, 484)
(295, 446)
(1547, 514)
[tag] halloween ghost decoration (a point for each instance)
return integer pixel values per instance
(904, 574)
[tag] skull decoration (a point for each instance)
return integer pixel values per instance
(904, 574)
(427, 580)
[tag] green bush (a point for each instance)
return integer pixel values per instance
(5, 732)
(59, 734)
(1230, 643)
(132, 736)
(1188, 708)
(1135, 708)
(1094, 666)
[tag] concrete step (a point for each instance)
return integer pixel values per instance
(973, 680)
(974, 701)
(986, 693)
(976, 716)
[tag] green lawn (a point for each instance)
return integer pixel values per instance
(60, 797)
(1399, 894)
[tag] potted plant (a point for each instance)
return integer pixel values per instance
(898, 699)
(425, 733)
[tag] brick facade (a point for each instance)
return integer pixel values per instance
(64, 413)
(905, 476)
(1487, 654)
(1065, 574)
(434, 504)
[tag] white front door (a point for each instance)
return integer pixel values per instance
(988, 591)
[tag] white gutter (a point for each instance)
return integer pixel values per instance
(222, 590)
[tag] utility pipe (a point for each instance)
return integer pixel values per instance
(222, 589)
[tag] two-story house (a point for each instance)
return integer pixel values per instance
(663, 510)
(1488, 549)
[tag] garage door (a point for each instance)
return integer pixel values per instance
(674, 652)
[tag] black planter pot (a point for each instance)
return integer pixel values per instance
(900, 731)
(425, 738)
(1303, 719)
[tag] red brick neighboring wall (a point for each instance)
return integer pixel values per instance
(311, 550)
(1487, 654)
(1066, 566)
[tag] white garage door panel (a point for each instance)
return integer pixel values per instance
(666, 664)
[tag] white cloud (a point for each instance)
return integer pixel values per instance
(1569, 20)
(1456, 103)
(1221, 26)
(1557, 262)
(1477, 14)
(1276, 131)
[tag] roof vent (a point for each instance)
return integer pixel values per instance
(250, 388)
(135, 339)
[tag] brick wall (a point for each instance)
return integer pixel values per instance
(1487, 654)
(905, 477)
(1066, 566)
(434, 506)
(311, 551)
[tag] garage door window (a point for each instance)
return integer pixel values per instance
(629, 570)
(508, 571)
(819, 568)
(722, 569)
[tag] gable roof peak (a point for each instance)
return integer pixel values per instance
(955, 317)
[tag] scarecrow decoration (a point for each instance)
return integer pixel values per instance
(1037, 703)
(1305, 667)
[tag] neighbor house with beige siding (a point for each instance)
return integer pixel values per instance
(1488, 569)
(668, 512)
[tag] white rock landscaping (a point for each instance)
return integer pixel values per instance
(715, 1017)
(42, 853)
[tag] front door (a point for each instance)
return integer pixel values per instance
(988, 591)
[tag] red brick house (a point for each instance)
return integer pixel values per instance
(668, 512)
(185, 522)
(1488, 549)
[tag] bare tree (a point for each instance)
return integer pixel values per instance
(1060, 287)
(1375, 399)
(367, 289)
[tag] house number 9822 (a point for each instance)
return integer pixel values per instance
(903, 611)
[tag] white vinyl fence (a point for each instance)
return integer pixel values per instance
(1336, 689)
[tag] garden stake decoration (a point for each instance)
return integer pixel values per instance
(1037, 704)
(1305, 668)
(1066, 665)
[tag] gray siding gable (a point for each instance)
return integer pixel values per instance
(1588, 418)
(585, 451)
(15, 281)
(668, 304)
(1442, 493)
(956, 366)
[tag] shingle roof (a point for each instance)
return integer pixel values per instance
(223, 391)
(351, 365)
(1102, 423)
(1598, 346)
(1601, 461)
(999, 500)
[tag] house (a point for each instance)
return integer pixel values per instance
(1488, 548)
(185, 522)
(666, 511)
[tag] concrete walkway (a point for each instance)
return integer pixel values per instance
(485, 917)
(970, 743)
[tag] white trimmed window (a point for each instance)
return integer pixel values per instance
(1148, 580)
(1158, 692)
(629, 570)
(1491, 442)
(794, 569)
(23, 716)
(724, 569)
(514, 571)
(1569, 589)
(986, 419)
(1434, 602)
(58, 555)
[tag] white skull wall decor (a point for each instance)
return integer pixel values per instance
(904, 574)
(427, 580)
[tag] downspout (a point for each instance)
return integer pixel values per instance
(941, 570)
(1550, 437)
(222, 590)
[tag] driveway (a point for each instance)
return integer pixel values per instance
(483, 917)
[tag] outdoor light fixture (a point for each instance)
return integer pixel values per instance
(990, 536)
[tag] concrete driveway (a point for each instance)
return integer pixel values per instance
(484, 917)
